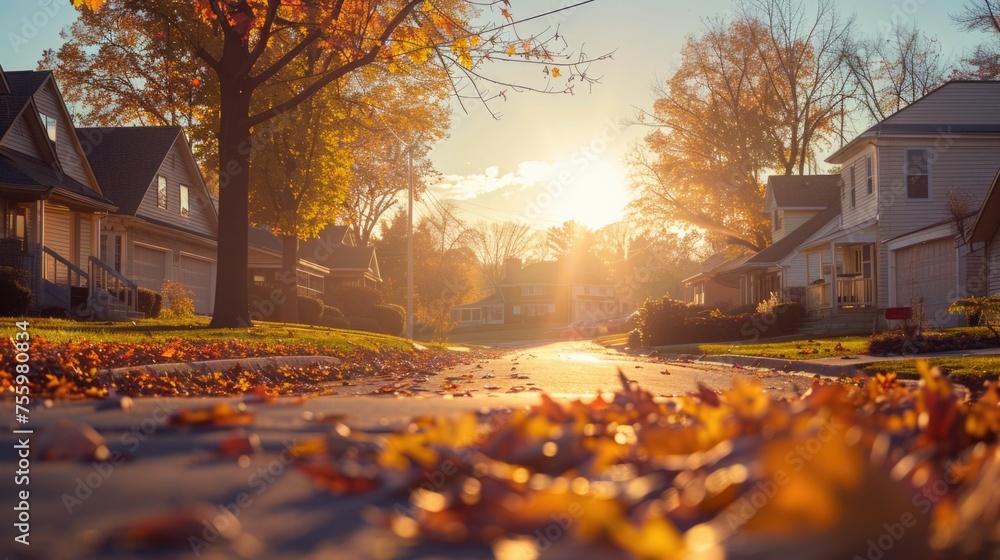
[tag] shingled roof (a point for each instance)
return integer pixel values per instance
(22, 85)
(786, 245)
(557, 272)
(805, 191)
(126, 159)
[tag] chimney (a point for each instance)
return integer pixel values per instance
(512, 266)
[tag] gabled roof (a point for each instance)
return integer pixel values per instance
(329, 251)
(496, 298)
(719, 268)
(802, 192)
(988, 220)
(21, 85)
(957, 107)
(331, 236)
(125, 159)
(29, 175)
(786, 245)
(4, 86)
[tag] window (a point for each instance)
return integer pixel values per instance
(532, 290)
(870, 181)
(185, 209)
(497, 313)
(854, 191)
(50, 125)
(161, 192)
(776, 220)
(918, 174)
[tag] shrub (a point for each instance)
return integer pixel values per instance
(390, 318)
(310, 310)
(661, 321)
(353, 301)
(664, 322)
(902, 342)
(366, 324)
(332, 312)
(179, 302)
(336, 322)
(979, 310)
(149, 302)
(16, 294)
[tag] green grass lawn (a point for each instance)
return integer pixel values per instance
(163, 330)
(619, 339)
(798, 349)
(978, 368)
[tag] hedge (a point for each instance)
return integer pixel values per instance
(354, 301)
(149, 302)
(664, 321)
(390, 318)
(310, 310)
(898, 342)
(16, 294)
(336, 323)
(366, 324)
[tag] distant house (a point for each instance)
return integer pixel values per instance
(265, 252)
(50, 200)
(487, 311)
(713, 286)
(166, 226)
(348, 263)
(802, 208)
(557, 292)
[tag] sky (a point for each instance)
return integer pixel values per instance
(549, 158)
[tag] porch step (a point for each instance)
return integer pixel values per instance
(844, 323)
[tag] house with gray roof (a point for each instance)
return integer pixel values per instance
(165, 227)
(51, 201)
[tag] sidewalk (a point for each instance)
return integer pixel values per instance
(847, 365)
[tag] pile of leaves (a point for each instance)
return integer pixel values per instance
(870, 468)
(75, 369)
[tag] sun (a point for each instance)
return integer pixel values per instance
(594, 195)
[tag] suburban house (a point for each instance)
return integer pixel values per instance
(166, 226)
(553, 292)
(328, 260)
(801, 208)
(348, 263)
(50, 200)
(713, 287)
(896, 234)
(986, 231)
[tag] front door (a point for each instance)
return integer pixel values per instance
(111, 250)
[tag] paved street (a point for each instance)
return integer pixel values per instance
(77, 505)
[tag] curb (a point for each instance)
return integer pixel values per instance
(770, 363)
(208, 366)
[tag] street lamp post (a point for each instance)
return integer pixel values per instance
(409, 246)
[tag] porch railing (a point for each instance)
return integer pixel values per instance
(855, 292)
(818, 296)
(309, 292)
(110, 285)
(62, 276)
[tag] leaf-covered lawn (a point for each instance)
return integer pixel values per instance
(966, 370)
(798, 349)
(67, 358)
(731, 475)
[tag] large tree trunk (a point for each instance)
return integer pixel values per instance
(289, 308)
(232, 307)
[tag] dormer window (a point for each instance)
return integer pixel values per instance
(50, 125)
(776, 219)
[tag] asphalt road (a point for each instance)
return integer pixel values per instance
(576, 368)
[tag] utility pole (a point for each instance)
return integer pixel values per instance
(409, 245)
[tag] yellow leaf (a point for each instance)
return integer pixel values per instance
(475, 40)
(511, 50)
(556, 73)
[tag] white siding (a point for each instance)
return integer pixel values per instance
(67, 146)
(86, 236)
(956, 103)
(178, 168)
(57, 227)
(928, 274)
(866, 206)
(795, 274)
(968, 165)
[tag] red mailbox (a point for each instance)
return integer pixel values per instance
(898, 313)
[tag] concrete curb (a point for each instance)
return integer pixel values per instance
(777, 364)
(254, 364)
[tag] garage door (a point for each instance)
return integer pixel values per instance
(150, 267)
(197, 276)
(927, 271)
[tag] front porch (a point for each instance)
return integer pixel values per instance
(839, 276)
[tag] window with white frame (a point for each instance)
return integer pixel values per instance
(185, 203)
(918, 180)
(870, 176)
(532, 290)
(854, 190)
(161, 192)
(50, 125)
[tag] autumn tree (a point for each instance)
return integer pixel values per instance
(892, 71)
(496, 243)
(247, 44)
(570, 240)
(983, 62)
